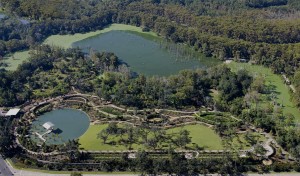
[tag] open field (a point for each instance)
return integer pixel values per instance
(89, 140)
(16, 59)
(275, 81)
(201, 135)
(66, 41)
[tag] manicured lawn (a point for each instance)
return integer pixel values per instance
(66, 41)
(89, 140)
(279, 88)
(201, 135)
(16, 59)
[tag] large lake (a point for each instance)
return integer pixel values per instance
(69, 124)
(145, 53)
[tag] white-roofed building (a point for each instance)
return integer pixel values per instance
(13, 112)
(48, 126)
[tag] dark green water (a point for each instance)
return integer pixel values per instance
(69, 124)
(144, 53)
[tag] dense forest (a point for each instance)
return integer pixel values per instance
(53, 71)
(266, 40)
(263, 32)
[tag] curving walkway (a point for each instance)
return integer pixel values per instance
(85, 97)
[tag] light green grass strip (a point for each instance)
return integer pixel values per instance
(281, 90)
(66, 41)
(16, 59)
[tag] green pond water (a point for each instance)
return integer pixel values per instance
(147, 54)
(69, 124)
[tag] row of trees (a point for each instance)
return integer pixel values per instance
(189, 88)
(267, 42)
(265, 3)
(19, 86)
(150, 137)
(6, 137)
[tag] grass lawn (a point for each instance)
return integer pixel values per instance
(16, 59)
(201, 135)
(280, 89)
(66, 41)
(89, 140)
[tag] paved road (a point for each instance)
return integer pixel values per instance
(4, 169)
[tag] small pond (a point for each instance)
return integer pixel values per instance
(69, 124)
(147, 54)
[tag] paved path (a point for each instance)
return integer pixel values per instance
(4, 169)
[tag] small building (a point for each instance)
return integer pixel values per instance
(48, 126)
(13, 112)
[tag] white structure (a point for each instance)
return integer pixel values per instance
(188, 155)
(13, 112)
(48, 126)
(132, 155)
(2, 113)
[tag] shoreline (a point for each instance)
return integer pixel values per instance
(70, 39)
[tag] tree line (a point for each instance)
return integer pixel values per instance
(268, 42)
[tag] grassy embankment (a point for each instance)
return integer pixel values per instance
(66, 41)
(15, 60)
(276, 85)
